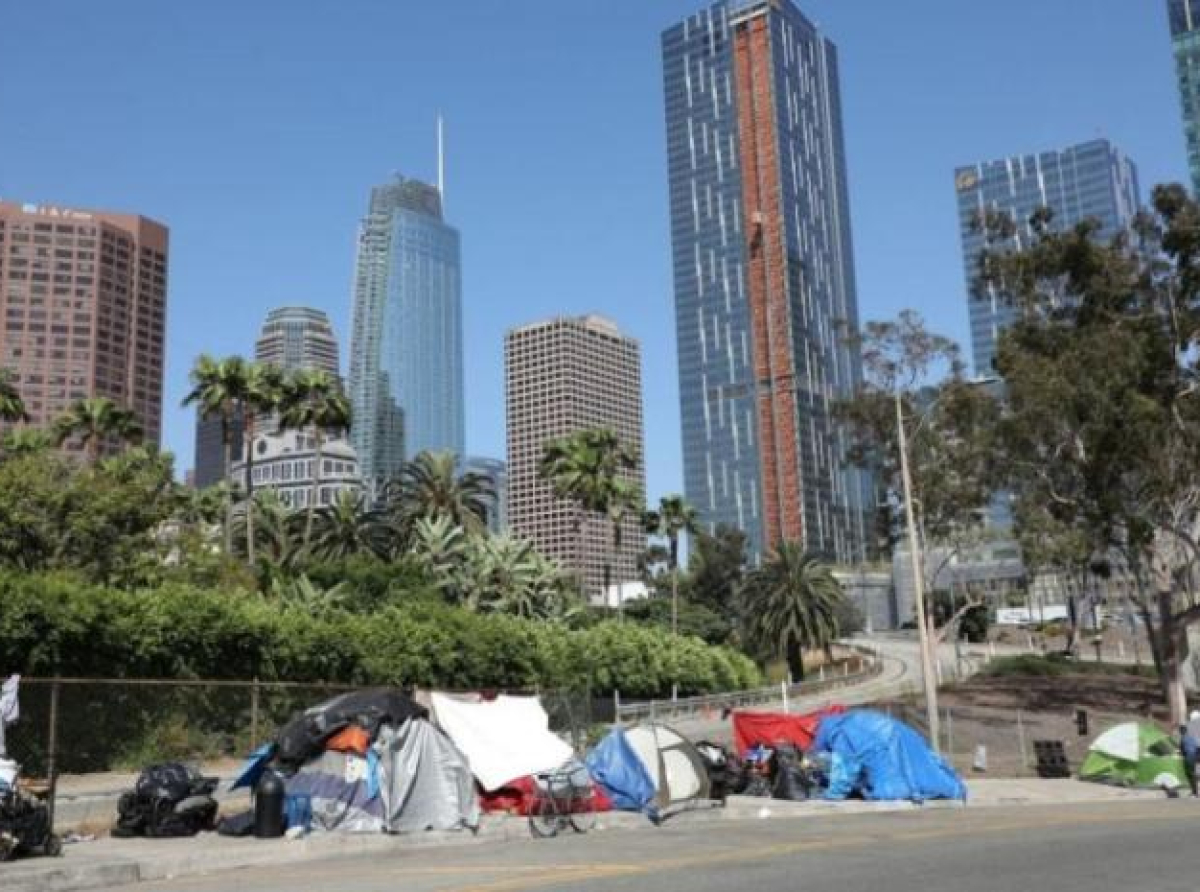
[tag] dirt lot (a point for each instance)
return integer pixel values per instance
(1006, 715)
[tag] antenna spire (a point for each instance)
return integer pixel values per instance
(441, 162)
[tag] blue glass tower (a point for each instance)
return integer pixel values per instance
(1092, 180)
(1185, 39)
(406, 381)
(764, 275)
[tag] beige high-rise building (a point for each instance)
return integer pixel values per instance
(83, 302)
(561, 376)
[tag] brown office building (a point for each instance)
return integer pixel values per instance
(83, 299)
(562, 376)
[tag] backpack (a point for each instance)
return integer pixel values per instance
(167, 800)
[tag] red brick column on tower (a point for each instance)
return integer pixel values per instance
(770, 315)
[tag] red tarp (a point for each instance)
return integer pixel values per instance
(770, 728)
(516, 798)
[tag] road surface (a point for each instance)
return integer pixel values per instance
(1147, 846)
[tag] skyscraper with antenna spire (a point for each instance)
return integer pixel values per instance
(406, 380)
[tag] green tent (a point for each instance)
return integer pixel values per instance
(1135, 754)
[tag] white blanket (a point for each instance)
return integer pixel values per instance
(504, 739)
(10, 707)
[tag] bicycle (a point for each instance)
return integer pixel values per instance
(562, 798)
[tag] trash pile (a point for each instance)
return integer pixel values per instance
(24, 813)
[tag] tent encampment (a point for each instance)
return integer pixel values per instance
(884, 759)
(1134, 754)
(503, 739)
(673, 767)
(773, 728)
(412, 778)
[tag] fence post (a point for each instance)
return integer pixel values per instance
(52, 749)
(1021, 742)
(254, 715)
(616, 707)
(783, 689)
(949, 735)
(821, 672)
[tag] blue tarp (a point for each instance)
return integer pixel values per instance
(254, 767)
(883, 759)
(616, 767)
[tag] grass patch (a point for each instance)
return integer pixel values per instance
(1036, 666)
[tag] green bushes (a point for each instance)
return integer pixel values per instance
(1035, 666)
(59, 625)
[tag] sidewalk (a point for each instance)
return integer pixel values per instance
(108, 862)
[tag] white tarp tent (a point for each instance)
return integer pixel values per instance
(503, 739)
(674, 765)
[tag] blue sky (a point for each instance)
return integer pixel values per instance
(255, 130)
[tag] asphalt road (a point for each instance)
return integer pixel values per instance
(1148, 846)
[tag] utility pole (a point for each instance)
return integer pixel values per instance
(927, 676)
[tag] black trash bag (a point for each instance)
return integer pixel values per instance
(304, 736)
(167, 800)
(791, 779)
(720, 767)
(237, 825)
(24, 826)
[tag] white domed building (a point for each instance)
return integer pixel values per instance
(284, 461)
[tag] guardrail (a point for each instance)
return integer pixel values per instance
(870, 665)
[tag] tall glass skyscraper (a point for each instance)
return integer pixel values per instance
(764, 275)
(1092, 180)
(406, 381)
(1185, 38)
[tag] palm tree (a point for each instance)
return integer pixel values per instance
(12, 407)
(589, 468)
(264, 383)
(430, 486)
(92, 420)
(312, 399)
(345, 528)
(674, 516)
(219, 388)
(26, 441)
(791, 603)
(275, 532)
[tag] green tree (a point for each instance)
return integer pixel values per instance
(219, 388)
(431, 487)
(346, 527)
(506, 575)
(312, 400)
(12, 407)
(1102, 419)
(26, 441)
(439, 546)
(792, 604)
(594, 469)
(716, 568)
(263, 389)
(93, 420)
(673, 517)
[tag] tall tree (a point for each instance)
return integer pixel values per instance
(592, 468)
(430, 486)
(345, 527)
(716, 568)
(94, 419)
(1102, 378)
(792, 604)
(673, 517)
(264, 386)
(26, 441)
(12, 407)
(312, 400)
(219, 388)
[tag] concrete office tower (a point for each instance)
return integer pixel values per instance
(1091, 180)
(406, 380)
(1185, 39)
(562, 376)
(291, 338)
(298, 338)
(764, 276)
(83, 303)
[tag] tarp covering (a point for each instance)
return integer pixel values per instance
(254, 766)
(304, 736)
(621, 773)
(503, 739)
(773, 728)
(1134, 754)
(341, 793)
(883, 759)
(424, 780)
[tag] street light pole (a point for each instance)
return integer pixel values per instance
(927, 674)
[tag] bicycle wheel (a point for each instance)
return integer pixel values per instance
(544, 819)
(583, 812)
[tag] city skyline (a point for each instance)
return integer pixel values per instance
(513, 198)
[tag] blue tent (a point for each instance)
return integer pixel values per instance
(617, 768)
(883, 759)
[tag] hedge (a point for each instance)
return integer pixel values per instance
(59, 625)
